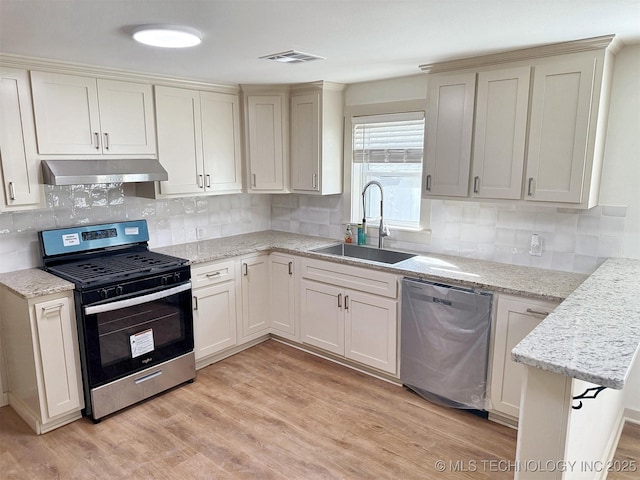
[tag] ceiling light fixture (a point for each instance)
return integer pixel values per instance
(292, 56)
(167, 36)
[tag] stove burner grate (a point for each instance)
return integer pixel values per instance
(113, 266)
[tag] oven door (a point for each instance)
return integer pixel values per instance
(126, 336)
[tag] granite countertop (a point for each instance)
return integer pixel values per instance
(594, 335)
(33, 282)
(498, 277)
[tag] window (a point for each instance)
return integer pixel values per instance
(388, 149)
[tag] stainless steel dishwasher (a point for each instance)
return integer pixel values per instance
(444, 345)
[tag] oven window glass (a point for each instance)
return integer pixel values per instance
(156, 324)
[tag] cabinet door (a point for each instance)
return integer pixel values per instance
(371, 326)
(66, 113)
(499, 142)
(265, 148)
(214, 319)
(322, 316)
(515, 319)
(560, 122)
(305, 142)
(448, 131)
(58, 349)
(180, 139)
(255, 295)
(17, 141)
(221, 142)
(126, 118)
(282, 294)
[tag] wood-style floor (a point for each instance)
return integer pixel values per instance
(271, 412)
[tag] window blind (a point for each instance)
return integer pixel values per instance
(390, 139)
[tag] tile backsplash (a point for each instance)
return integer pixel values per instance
(171, 221)
(573, 240)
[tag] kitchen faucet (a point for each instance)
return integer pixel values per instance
(383, 230)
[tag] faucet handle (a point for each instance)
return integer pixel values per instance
(385, 232)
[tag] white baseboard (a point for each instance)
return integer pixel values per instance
(631, 415)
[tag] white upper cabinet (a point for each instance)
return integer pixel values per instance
(180, 140)
(198, 141)
(539, 130)
(266, 135)
(221, 142)
(17, 142)
(316, 138)
(502, 103)
(449, 127)
(560, 138)
(78, 115)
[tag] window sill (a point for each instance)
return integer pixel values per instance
(402, 234)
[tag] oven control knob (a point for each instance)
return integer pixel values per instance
(165, 280)
(119, 290)
(103, 292)
(176, 277)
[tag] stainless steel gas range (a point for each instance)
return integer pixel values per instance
(133, 308)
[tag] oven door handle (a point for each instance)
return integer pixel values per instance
(130, 302)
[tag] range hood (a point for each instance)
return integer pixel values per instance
(81, 172)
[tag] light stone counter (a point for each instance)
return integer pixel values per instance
(33, 283)
(497, 277)
(594, 334)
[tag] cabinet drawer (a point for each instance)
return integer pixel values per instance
(212, 273)
(347, 276)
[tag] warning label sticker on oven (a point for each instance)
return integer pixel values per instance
(141, 343)
(70, 239)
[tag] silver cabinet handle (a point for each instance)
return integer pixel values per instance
(246, 269)
(52, 308)
(537, 312)
(195, 302)
(314, 180)
(290, 268)
(530, 187)
(346, 302)
(208, 180)
(339, 300)
(12, 191)
(200, 181)
(96, 140)
(428, 183)
(476, 185)
(106, 141)
(214, 274)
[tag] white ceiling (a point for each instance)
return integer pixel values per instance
(361, 39)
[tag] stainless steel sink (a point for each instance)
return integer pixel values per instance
(365, 253)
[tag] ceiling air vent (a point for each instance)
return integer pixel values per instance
(292, 56)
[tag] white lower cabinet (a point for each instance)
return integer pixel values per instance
(371, 324)
(255, 296)
(214, 308)
(282, 298)
(347, 321)
(516, 317)
(322, 316)
(40, 345)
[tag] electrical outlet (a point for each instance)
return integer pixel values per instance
(536, 245)
(199, 233)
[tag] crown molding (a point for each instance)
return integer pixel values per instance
(43, 64)
(609, 42)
